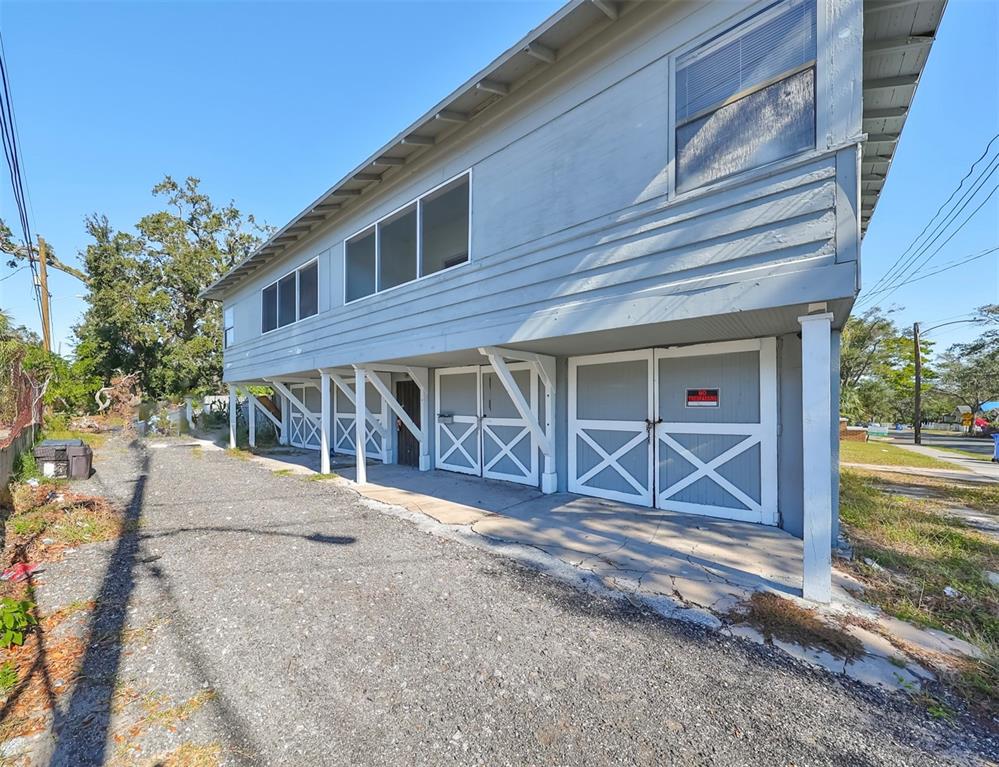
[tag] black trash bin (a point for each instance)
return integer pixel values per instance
(64, 458)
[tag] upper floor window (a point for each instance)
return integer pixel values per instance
(747, 97)
(425, 236)
(228, 327)
(293, 297)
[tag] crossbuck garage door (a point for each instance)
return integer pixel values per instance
(343, 423)
(691, 429)
(479, 430)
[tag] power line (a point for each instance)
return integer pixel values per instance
(887, 275)
(941, 245)
(944, 268)
(965, 200)
(8, 134)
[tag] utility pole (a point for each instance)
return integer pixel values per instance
(43, 281)
(917, 417)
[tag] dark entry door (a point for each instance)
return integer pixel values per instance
(408, 394)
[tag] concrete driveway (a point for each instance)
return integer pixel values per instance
(319, 630)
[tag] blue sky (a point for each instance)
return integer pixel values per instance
(270, 103)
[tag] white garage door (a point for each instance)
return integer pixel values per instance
(479, 430)
(690, 429)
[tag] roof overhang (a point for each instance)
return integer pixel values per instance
(538, 50)
(898, 35)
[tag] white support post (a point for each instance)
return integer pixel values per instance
(285, 419)
(546, 371)
(189, 413)
(816, 425)
(233, 404)
(325, 419)
(251, 418)
(360, 427)
(349, 394)
(422, 378)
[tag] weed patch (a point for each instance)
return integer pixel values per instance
(320, 477)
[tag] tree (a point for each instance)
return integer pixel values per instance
(969, 372)
(877, 369)
(144, 309)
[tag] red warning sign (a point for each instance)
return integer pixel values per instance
(702, 398)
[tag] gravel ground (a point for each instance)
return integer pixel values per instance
(332, 633)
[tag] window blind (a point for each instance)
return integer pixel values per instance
(774, 42)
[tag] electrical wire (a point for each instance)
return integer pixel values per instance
(888, 275)
(9, 136)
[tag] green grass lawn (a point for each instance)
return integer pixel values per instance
(887, 454)
(920, 551)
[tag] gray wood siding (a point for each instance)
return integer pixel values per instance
(572, 226)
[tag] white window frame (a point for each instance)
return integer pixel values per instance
(229, 323)
(298, 317)
(419, 241)
(719, 30)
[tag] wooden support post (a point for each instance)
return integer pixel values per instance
(233, 404)
(43, 284)
(817, 436)
(360, 426)
(325, 419)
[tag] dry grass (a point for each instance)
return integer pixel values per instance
(49, 519)
(46, 668)
(155, 709)
(919, 551)
(189, 755)
(780, 618)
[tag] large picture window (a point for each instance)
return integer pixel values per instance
(425, 236)
(293, 297)
(747, 97)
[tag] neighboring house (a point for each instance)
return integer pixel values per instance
(615, 262)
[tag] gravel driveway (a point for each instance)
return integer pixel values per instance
(318, 630)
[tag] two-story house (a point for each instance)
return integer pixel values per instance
(615, 262)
